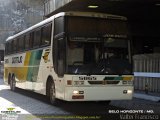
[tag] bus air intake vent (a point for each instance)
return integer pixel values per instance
(112, 82)
(103, 82)
(95, 82)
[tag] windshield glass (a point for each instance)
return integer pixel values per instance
(97, 56)
(93, 27)
(97, 46)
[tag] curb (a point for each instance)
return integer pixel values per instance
(146, 97)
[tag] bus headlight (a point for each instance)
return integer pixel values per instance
(75, 92)
(127, 92)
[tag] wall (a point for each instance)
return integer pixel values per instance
(17, 15)
(52, 5)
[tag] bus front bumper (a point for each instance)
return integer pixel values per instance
(98, 93)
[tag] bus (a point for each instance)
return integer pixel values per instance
(72, 56)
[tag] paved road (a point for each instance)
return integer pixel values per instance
(34, 105)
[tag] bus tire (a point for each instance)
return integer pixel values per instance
(52, 93)
(12, 83)
(9, 79)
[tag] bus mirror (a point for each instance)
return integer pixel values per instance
(60, 68)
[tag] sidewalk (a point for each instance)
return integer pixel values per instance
(152, 96)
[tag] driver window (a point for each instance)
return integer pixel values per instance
(75, 53)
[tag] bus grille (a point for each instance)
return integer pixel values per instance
(103, 82)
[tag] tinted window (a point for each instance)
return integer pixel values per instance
(9, 47)
(37, 38)
(14, 45)
(59, 25)
(89, 26)
(28, 41)
(6, 48)
(21, 44)
(46, 35)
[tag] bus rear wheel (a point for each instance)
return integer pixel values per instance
(12, 83)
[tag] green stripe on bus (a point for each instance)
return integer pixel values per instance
(34, 65)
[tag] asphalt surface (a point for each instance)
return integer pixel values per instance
(32, 106)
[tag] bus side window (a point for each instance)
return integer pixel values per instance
(14, 45)
(28, 41)
(59, 46)
(37, 38)
(9, 47)
(6, 48)
(31, 40)
(21, 43)
(46, 35)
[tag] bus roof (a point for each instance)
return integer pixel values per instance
(82, 14)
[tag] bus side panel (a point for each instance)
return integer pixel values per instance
(15, 66)
(100, 93)
(33, 70)
(24, 67)
(43, 72)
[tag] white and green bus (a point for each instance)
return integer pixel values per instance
(72, 56)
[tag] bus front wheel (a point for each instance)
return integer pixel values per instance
(12, 83)
(52, 93)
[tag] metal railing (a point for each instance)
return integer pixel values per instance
(147, 72)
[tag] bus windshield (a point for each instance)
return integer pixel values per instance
(97, 46)
(85, 26)
(98, 56)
